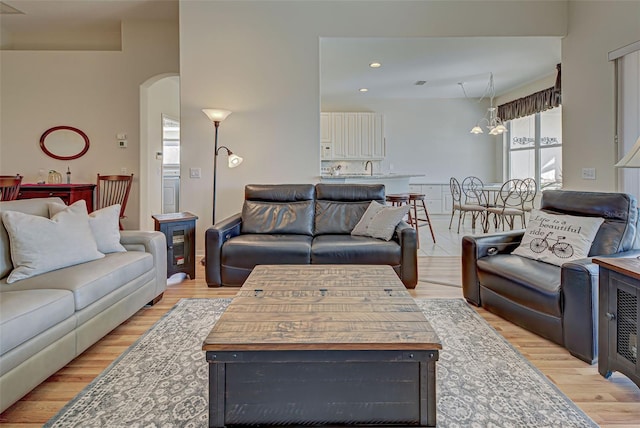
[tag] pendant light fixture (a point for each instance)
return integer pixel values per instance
(493, 122)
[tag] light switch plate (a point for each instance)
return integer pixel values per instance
(588, 173)
(195, 172)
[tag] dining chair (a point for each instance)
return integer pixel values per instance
(473, 189)
(10, 187)
(509, 205)
(529, 190)
(113, 189)
(476, 210)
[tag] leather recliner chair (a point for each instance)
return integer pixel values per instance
(559, 303)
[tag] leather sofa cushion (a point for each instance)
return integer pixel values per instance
(620, 213)
(340, 207)
(346, 249)
(278, 217)
(91, 281)
(279, 192)
(246, 251)
(27, 313)
(527, 282)
(350, 193)
(338, 217)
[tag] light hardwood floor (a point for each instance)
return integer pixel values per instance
(611, 403)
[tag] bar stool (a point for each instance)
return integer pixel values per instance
(414, 199)
(398, 199)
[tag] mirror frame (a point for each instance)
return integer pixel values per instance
(68, 128)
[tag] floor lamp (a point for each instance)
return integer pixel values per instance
(631, 159)
(217, 115)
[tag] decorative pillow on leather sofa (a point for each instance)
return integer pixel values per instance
(558, 239)
(40, 245)
(380, 221)
(105, 226)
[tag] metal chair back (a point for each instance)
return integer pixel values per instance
(456, 190)
(473, 189)
(529, 191)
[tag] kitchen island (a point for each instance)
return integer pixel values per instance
(393, 183)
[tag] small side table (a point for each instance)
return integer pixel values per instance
(618, 317)
(179, 228)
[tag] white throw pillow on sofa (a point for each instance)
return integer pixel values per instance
(105, 226)
(40, 245)
(558, 239)
(380, 221)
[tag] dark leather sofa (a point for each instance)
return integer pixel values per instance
(558, 303)
(304, 224)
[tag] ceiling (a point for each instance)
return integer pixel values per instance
(72, 15)
(442, 62)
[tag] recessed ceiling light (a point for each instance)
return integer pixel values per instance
(375, 65)
(363, 90)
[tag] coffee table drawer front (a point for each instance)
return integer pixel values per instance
(300, 388)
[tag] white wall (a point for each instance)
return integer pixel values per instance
(431, 137)
(595, 29)
(260, 59)
(97, 92)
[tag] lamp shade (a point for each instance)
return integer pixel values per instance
(476, 130)
(501, 129)
(234, 160)
(216, 114)
(631, 159)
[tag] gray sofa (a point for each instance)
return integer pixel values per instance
(304, 224)
(49, 319)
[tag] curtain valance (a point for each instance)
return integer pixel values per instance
(534, 103)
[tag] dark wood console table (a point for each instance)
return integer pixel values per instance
(618, 315)
(69, 193)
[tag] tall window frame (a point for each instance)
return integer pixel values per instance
(529, 142)
(627, 112)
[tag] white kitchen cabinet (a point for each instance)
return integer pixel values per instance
(338, 136)
(365, 127)
(325, 128)
(354, 135)
(378, 140)
(448, 201)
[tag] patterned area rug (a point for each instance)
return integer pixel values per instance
(162, 379)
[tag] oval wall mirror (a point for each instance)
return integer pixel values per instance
(64, 142)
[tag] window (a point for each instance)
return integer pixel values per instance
(534, 145)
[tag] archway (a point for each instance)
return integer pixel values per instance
(158, 95)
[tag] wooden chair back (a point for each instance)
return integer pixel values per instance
(113, 189)
(9, 187)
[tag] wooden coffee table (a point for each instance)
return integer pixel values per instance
(322, 344)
